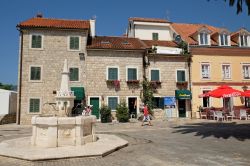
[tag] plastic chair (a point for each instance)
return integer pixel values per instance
(203, 115)
(243, 114)
(219, 115)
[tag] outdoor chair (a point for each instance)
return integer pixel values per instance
(211, 114)
(230, 115)
(243, 114)
(203, 115)
(218, 115)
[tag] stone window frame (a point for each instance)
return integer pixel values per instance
(78, 73)
(41, 74)
(222, 72)
(155, 69)
(132, 67)
(118, 72)
(118, 101)
(40, 106)
(30, 41)
(176, 76)
(69, 43)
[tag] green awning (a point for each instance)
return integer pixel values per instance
(78, 92)
(183, 94)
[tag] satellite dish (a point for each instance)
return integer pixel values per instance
(178, 39)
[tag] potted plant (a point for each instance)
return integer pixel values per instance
(105, 112)
(122, 112)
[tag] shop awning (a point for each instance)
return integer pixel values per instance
(183, 94)
(79, 92)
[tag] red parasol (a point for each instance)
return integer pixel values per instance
(246, 93)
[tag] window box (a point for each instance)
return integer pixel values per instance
(155, 84)
(115, 83)
(182, 83)
(133, 81)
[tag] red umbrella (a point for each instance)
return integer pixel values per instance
(223, 91)
(246, 93)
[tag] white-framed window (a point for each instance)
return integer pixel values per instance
(204, 38)
(224, 39)
(205, 71)
(244, 40)
(74, 74)
(132, 73)
(155, 36)
(34, 105)
(246, 71)
(181, 75)
(226, 71)
(112, 102)
(112, 73)
(36, 41)
(155, 75)
(35, 73)
(74, 43)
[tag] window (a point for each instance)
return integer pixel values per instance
(155, 36)
(132, 74)
(112, 73)
(34, 105)
(243, 40)
(246, 71)
(205, 100)
(112, 102)
(181, 76)
(158, 102)
(74, 74)
(204, 38)
(35, 73)
(205, 71)
(224, 40)
(74, 43)
(36, 41)
(155, 75)
(226, 71)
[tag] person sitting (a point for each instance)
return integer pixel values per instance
(87, 111)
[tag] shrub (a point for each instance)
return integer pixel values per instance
(122, 112)
(105, 112)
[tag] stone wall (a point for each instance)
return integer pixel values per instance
(8, 118)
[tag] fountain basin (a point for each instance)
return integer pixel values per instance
(55, 131)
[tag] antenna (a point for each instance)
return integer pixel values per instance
(167, 14)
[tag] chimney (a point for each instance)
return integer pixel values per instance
(39, 15)
(92, 27)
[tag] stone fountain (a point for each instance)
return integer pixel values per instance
(62, 136)
(63, 130)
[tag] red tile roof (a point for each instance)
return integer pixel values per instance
(120, 43)
(151, 43)
(156, 20)
(54, 23)
(187, 30)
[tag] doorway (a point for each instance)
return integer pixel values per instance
(95, 109)
(182, 108)
(132, 106)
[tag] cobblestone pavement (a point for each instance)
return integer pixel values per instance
(191, 142)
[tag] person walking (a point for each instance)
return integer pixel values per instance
(146, 115)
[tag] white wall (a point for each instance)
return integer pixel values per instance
(8, 102)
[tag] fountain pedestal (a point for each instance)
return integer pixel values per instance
(62, 131)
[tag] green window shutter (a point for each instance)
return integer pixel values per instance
(35, 73)
(73, 74)
(132, 74)
(34, 105)
(181, 76)
(155, 36)
(112, 102)
(79, 92)
(36, 41)
(155, 75)
(161, 104)
(113, 74)
(74, 43)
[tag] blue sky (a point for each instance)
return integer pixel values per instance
(112, 17)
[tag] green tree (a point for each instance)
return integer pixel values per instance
(148, 95)
(122, 112)
(6, 86)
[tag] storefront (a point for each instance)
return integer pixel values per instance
(183, 102)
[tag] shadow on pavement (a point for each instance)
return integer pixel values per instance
(218, 130)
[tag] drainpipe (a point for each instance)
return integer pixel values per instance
(189, 79)
(20, 78)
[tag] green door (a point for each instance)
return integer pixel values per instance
(95, 102)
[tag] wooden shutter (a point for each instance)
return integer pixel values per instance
(36, 41)
(112, 74)
(181, 76)
(34, 105)
(35, 73)
(132, 74)
(112, 102)
(74, 43)
(155, 75)
(74, 74)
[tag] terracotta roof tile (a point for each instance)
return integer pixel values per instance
(54, 23)
(120, 43)
(156, 20)
(151, 43)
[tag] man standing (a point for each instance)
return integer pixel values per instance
(146, 115)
